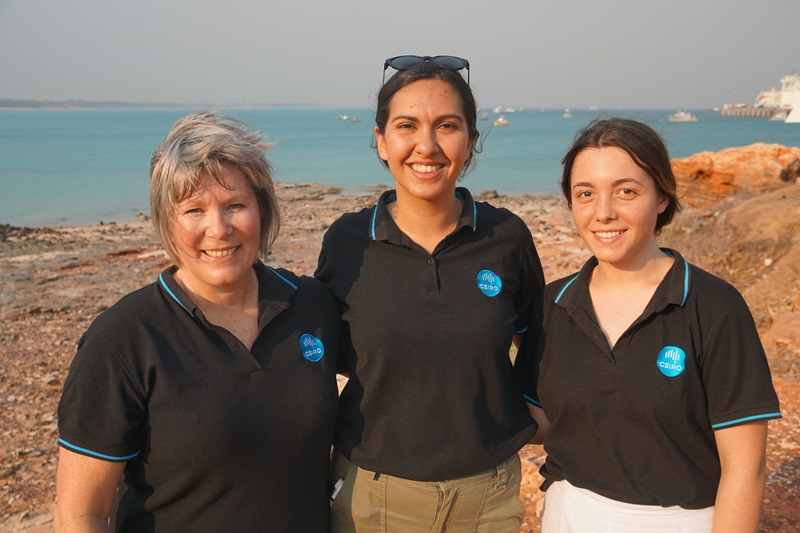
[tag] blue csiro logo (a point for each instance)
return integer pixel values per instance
(671, 361)
(312, 347)
(489, 283)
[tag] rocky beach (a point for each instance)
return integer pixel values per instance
(741, 221)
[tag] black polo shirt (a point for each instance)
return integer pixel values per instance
(215, 437)
(430, 395)
(636, 423)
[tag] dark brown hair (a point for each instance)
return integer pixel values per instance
(645, 147)
(428, 70)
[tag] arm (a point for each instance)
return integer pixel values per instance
(544, 425)
(742, 454)
(85, 490)
(517, 340)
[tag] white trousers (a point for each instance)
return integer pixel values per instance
(569, 509)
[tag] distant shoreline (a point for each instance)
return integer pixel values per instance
(78, 104)
(20, 104)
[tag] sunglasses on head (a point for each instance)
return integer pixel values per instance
(407, 62)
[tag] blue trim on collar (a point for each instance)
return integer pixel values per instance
(172, 294)
(745, 419)
(531, 400)
(474, 216)
(523, 330)
(685, 282)
(561, 293)
(69, 446)
(372, 226)
(292, 285)
(685, 276)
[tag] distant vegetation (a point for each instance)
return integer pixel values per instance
(6, 103)
(10, 103)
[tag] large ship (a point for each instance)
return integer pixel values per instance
(781, 105)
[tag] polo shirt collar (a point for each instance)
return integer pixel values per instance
(383, 228)
(166, 280)
(673, 290)
(274, 293)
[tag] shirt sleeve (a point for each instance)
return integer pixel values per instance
(736, 373)
(526, 365)
(532, 280)
(325, 274)
(101, 411)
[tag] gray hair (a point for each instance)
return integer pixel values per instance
(203, 141)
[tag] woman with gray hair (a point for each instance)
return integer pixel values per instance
(208, 397)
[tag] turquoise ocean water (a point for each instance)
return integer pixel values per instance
(65, 167)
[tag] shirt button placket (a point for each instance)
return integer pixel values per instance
(432, 279)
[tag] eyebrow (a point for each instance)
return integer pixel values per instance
(615, 183)
(412, 118)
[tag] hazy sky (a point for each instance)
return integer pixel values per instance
(523, 53)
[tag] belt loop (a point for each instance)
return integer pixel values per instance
(502, 475)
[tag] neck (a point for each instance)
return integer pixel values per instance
(242, 295)
(426, 222)
(425, 215)
(649, 267)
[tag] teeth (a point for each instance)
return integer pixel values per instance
(220, 253)
(426, 168)
(607, 234)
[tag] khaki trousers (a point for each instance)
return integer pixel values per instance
(370, 502)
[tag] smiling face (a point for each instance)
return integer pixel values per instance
(426, 141)
(215, 233)
(615, 205)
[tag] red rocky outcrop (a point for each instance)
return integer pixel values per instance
(707, 177)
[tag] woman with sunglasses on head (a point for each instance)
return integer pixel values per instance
(433, 287)
(205, 401)
(649, 370)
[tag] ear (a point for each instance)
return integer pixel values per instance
(381, 145)
(662, 205)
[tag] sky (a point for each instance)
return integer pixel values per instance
(523, 53)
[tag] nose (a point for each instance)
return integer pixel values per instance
(427, 142)
(605, 209)
(219, 224)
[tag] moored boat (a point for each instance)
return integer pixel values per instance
(501, 121)
(682, 116)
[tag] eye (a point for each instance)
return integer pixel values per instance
(627, 192)
(583, 194)
(236, 207)
(193, 211)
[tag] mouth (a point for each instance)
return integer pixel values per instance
(225, 252)
(608, 234)
(426, 169)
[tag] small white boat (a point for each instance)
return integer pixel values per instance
(682, 116)
(780, 116)
(567, 114)
(501, 121)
